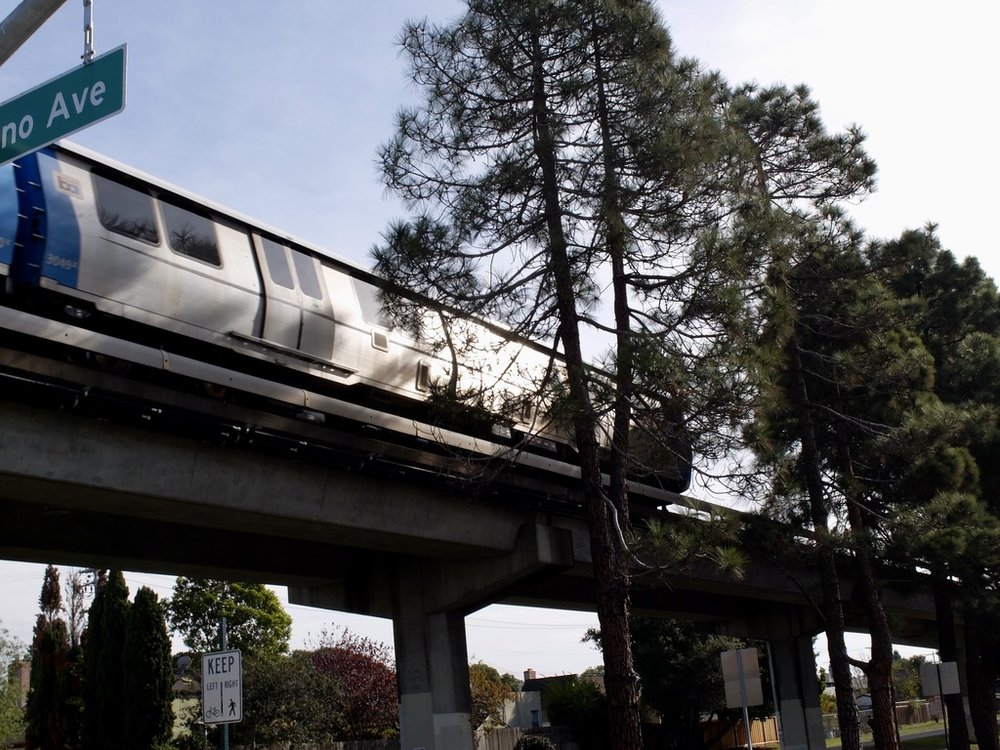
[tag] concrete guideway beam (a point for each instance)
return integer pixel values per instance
(421, 555)
(448, 585)
(83, 465)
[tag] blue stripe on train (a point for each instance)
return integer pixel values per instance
(8, 217)
(61, 260)
(31, 222)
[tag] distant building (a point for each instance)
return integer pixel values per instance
(526, 711)
(20, 673)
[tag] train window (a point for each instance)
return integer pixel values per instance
(125, 210)
(277, 263)
(423, 376)
(191, 234)
(305, 269)
(372, 311)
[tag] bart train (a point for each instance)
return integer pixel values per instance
(128, 271)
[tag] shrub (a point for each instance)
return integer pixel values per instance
(534, 742)
(581, 706)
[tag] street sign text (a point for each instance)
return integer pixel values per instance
(222, 687)
(64, 105)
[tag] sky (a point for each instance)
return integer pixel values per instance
(277, 109)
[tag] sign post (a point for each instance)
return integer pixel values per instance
(941, 679)
(64, 105)
(741, 673)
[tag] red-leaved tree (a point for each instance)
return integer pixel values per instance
(366, 672)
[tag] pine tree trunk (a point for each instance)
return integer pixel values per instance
(833, 612)
(878, 670)
(958, 731)
(610, 568)
(982, 670)
(885, 731)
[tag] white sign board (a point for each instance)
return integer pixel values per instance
(940, 679)
(222, 687)
(741, 672)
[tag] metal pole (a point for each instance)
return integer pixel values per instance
(22, 22)
(743, 698)
(88, 31)
(944, 707)
(774, 693)
(225, 643)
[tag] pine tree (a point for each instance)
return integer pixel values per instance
(560, 145)
(147, 672)
(947, 516)
(799, 174)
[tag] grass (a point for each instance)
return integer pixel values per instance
(907, 741)
(924, 743)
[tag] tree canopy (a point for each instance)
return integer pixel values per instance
(11, 715)
(569, 176)
(490, 692)
(52, 710)
(256, 623)
(366, 673)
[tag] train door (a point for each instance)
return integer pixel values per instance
(283, 309)
(317, 309)
(299, 313)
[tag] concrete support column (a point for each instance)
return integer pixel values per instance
(432, 667)
(793, 672)
(427, 600)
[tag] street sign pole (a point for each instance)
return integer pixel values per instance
(741, 675)
(743, 700)
(224, 641)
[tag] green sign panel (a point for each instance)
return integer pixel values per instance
(64, 105)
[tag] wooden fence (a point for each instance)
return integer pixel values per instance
(762, 732)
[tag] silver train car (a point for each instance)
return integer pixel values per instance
(128, 270)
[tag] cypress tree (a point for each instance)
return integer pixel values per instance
(147, 673)
(104, 695)
(46, 713)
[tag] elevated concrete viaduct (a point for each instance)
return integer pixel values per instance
(158, 495)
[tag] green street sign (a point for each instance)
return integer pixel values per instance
(64, 105)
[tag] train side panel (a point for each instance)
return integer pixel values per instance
(145, 257)
(384, 359)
